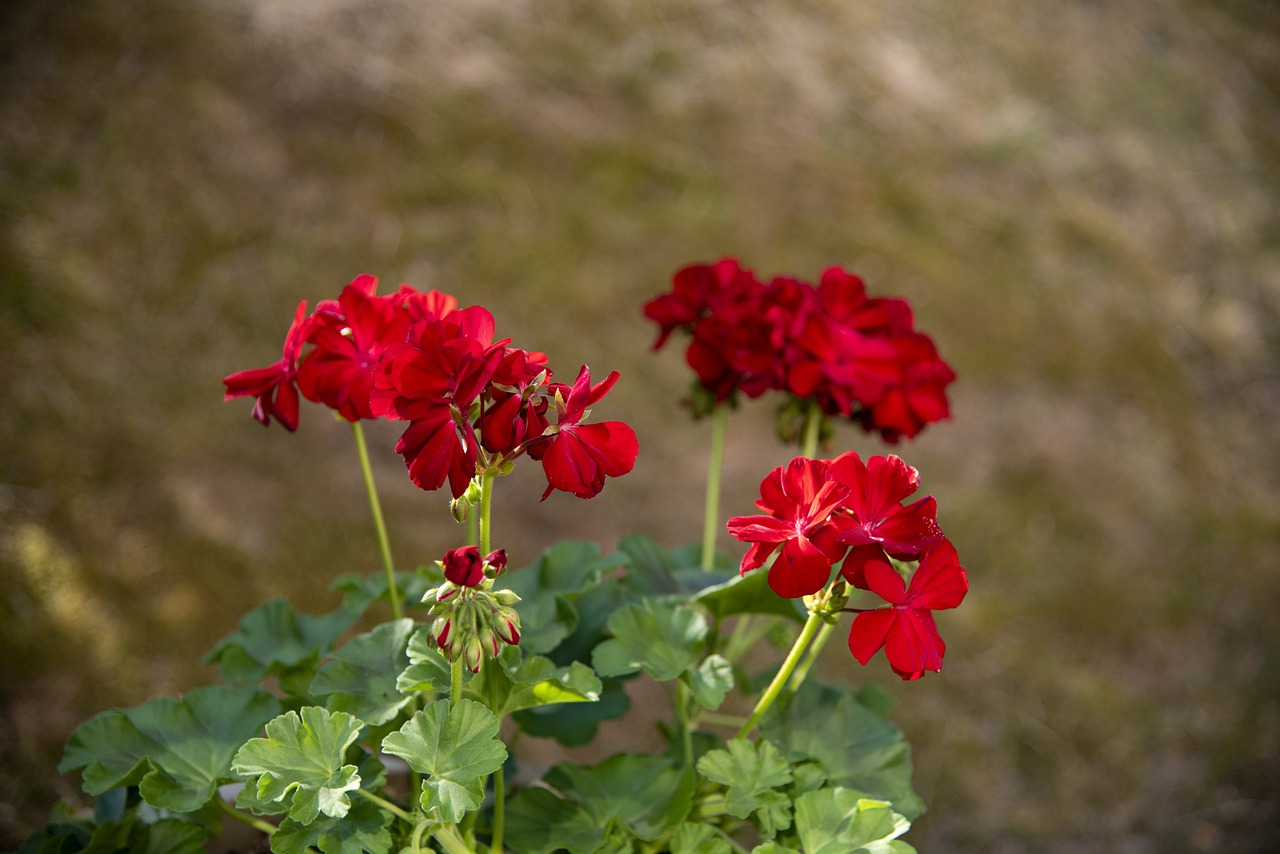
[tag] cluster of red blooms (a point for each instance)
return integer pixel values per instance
(859, 357)
(822, 512)
(471, 403)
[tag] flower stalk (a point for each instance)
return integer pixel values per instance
(780, 678)
(384, 543)
(715, 466)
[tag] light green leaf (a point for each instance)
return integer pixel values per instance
(575, 724)
(698, 838)
(361, 677)
(856, 747)
(302, 756)
(428, 670)
(456, 746)
(750, 772)
(773, 848)
(662, 640)
(846, 821)
(275, 639)
(364, 828)
(712, 680)
(176, 751)
(521, 683)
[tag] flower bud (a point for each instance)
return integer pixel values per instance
(460, 509)
(474, 654)
(507, 626)
(489, 641)
(505, 597)
(440, 630)
(496, 560)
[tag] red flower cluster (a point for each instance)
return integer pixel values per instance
(858, 356)
(822, 512)
(471, 403)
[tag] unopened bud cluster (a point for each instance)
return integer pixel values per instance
(472, 620)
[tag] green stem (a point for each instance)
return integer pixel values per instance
(384, 544)
(486, 510)
(711, 509)
(256, 823)
(780, 678)
(797, 678)
(682, 718)
(416, 844)
(812, 430)
(718, 719)
(499, 810)
(385, 804)
(455, 681)
(449, 839)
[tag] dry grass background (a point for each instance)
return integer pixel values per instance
(1080, 198)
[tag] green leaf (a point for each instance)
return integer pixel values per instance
(648, 794)
(428, 669)
(361, 677)
(360, 591)
(176, 751)
(539, 822)
(650, 568)
(575, 724)
(856, 747)
(753, 774)
(749, 594)
(698, 838)
(773, 848)
(662, 640)
(456, 746)
(846, 821)
(712, 680)
(549, 587)
(364, 828)
(171, 836)
(273, 639)
(302, 756)
(520, 683)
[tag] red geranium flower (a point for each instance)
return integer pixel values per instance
(801, 501)
(907, 630)
(577, 457)
(350, 343)
(273, 386)
(464, 566)
(880, 520)
(918, 397)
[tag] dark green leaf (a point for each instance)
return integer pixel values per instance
(364, 828)
(697, 838)
(275, 639)
(538, 822)
(662, 640)
(176, 751)
(303, 757)
(171, 836)
(456, 746)
(749, 771)
(748, 594)
(361, 677)
(648, 794)
(856, 747)
(360, 591)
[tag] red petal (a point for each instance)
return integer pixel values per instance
(801, 569)
(939, 582)
(914, 645)
(885, 582)
(868, 633)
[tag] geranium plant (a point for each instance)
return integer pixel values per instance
(405, 737)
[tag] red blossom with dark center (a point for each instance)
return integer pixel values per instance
(800, 500)
(349, 345)
(907, 630)
(274, 386)
(879, 519)
(577, 457)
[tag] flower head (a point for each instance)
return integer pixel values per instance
(800, 500)
(906, 629)
(577, 457)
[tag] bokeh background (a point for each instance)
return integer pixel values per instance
(1080, 199)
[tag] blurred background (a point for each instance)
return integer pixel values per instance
(1079, 198)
